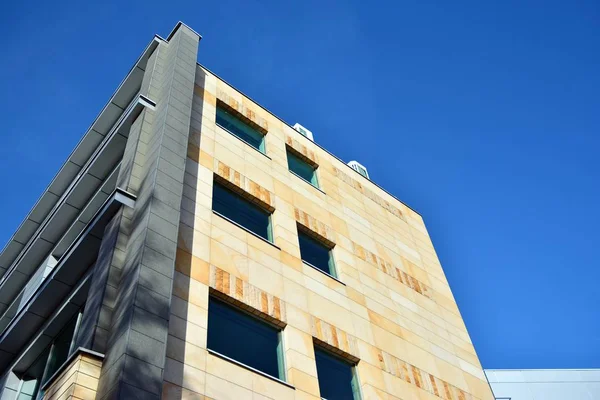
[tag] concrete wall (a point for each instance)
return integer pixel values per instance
(393, 311)
(545, 384)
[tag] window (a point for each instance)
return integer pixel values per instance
(315, 253)
(337, 377)
(240, 129)
(241, 211)
(49, 362)
(302, 169)
(245, 338)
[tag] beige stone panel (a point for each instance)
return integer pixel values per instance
(390, 343)
(171, 391)
(184, 375)
(258, 274)
(190, 290)
(370, 375)
(283, 190)
(301, 362)
(187, 332)
(400, 388)
(221, 389)
(221, 229)
(280, 233)
(258, 175)
(186, 352)
(194, 242)
(478, 388)
(229, 260)
(191, 266)
(303, 381)
(287, 246)
(362, 329)
(295, 294)
(270, 388)
(196, 221)
(420, 358)
(329, 312)
(90, 368)
(299, 341)
(230, 371)
(263, 246)
(231, 241)
(83, 393)
(269, 259)
(229, 149)
(323, 285)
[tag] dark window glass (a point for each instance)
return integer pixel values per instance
(315, 253)
(59, 351)
(235, 126)
(244, 338)
(241, 211)
(302, 169)
(337, 380)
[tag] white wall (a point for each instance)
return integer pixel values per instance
(548, 384)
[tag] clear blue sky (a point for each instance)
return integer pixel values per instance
(483, 116)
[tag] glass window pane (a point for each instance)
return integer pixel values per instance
(302, 168)
(240, 129)
(335, 377)
(241, 211)
(315, 253)
(60, 348)
(243, 338)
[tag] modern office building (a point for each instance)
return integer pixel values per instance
(544, 384)
(195, 246)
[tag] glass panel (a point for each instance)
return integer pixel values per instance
(240, 129)
(31, 380)
(60, 348)
(241, 211)
(243, 338)
(335, 377)
(302, 168)
(315, 253)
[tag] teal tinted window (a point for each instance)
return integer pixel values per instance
(337, 378)
(242, 130)
(302, 169)
(244, 338)
(241, 211)
(316, 253)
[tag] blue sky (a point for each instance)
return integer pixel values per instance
(483, 116)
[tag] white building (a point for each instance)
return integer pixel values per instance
(545, 384)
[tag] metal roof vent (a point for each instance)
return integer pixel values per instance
(303, 131)
(358, 167)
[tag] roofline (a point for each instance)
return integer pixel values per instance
(145, 54)
(176, 28)
(318, 145)
(541, 369)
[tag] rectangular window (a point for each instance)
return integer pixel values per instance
(303, 169)
(52, 358)
(241, 211)
(337, 377)
(240, 129)
(316, 253)
(245, 338)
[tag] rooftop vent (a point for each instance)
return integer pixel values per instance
(358, 167)
(303, 131)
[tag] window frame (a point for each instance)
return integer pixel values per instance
(280, 348)
(302, 230)
(355, 381)
(262, 145)
(269, 238)
(49, 352)
(290, 152)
